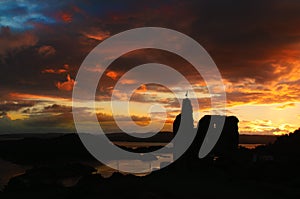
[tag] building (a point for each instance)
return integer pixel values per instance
(227, 143)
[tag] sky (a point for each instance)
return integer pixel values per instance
(255, 45)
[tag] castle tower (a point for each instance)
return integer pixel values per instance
(185, 117)
(187, 114)
(184, 121)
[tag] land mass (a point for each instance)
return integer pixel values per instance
(162, 137)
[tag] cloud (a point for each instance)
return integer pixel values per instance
(128, 81)
(35, 97)
(55, 108)
(264, 127)
(21, 15)
(38, 124)
(142, 89)
(2, 114)
(6, 106)
(15, 41)
(42, 118)
(54, 71)
(66, 86)
(248, 91)
(112, 74)
(97, 34)
(108, 121)
(104, 117)
(257, 56)
(284, 106)
(65, 17)
(46, 51)
(64, 69)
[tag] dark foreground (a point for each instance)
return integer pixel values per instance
(270, 171)
(263, 180)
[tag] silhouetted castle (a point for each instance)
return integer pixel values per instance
(187, 116)
(228, 140)
(184, 122)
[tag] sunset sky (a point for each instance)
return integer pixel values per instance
(255, 44)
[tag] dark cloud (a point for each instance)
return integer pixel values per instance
(3, 114)
(55, 108)
(244, 38)
(6, 106)
(11, 42)
(46, 50)
(38, 124)
(63, 120)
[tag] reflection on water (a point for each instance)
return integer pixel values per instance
(135, 145)
(131, 165)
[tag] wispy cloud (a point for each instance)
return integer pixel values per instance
(67, 85)
(284, 106)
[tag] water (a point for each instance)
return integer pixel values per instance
(135, 145)
(130, 165)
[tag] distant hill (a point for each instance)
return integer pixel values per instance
(257, 139)
(18, 136)
(152, 137)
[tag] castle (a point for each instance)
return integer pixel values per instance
(228, 140)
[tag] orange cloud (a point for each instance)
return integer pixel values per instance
(76, 9)
(142, 89)
(112, 74)
(6, 116)
(98, 35)
(65, 17)
(66, 66)
(54, 71)
(27, 96)
(46, 51)
(128, 81)
(264, 127)
(66, 86)
(65, 69)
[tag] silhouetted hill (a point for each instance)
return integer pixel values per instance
(210, 178)
(133, 137)
(257, 139)
(286, 148)
(35, 150)
(18, 136)
(123, 137)
(64, 149)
